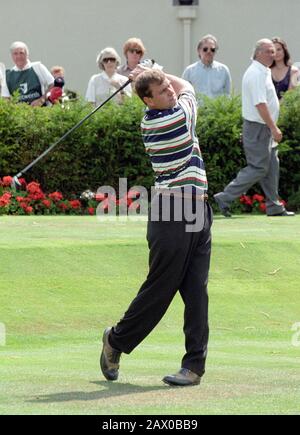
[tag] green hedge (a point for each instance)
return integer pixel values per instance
(109, 146)
(103, 149)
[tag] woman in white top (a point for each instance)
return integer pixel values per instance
(102, 85)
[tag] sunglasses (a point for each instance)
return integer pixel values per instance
(205, 49)
(135, 50)
(109, 59)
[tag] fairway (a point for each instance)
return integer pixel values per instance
(64, 279)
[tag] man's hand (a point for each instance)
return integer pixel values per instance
(137, 71)
(266, 116)
(38, 102)
(276, 134)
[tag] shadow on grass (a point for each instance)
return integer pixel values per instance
(108, 389)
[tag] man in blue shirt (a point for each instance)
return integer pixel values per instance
(208, 77)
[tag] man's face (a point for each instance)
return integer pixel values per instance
(163, 96)
(207, 51)
(266, 54)
(19, 57)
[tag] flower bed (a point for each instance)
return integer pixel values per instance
(255, 203)
(31, 200)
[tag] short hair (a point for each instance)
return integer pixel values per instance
(107, 52)
(146, 79)
(19, 44)
(287, 56)
(206, 38)
(132, 43)
(258, 46)
(57, 69)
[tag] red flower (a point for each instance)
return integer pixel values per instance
(75, 204)
(245, 199)
(63, 206)
(28, 210)
(100, 196)
(135, 206)
(104, 205)
(37, 196)
(33, 188)
(46, 203)
(91, 211)
(24, 206)
(133, 194)
(56, 196)
(258, 198)
(5, 199)
(7, 181)
(262, 207)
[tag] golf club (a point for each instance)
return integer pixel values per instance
(15, 180)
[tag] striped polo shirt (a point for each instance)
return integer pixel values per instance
(170, 140)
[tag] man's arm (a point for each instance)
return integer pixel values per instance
(228, 83)
(265, 114)
(180, 85)
(46, 81)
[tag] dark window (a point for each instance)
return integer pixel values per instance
(185, 2)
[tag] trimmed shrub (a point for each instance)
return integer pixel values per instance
(109, 146)
(219, 131)
(289, 148)
(104, 148)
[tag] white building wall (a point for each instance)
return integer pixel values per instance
(72, 32)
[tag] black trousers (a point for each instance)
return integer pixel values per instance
(179, 260)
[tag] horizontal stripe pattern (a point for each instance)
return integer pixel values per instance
(170, 141)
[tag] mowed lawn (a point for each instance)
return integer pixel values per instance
(64, 279)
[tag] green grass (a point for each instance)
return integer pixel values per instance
(64, 279)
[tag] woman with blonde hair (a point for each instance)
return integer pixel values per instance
(134, 51)
(102, 85)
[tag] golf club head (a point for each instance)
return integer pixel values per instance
(15, 183)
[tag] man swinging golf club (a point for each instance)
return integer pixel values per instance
(179, 259)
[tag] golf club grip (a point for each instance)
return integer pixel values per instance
(71, 130)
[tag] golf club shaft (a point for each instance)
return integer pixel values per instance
(70, 131)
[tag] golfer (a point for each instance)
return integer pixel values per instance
(179, 259)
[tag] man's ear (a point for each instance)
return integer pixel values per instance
(148, 101)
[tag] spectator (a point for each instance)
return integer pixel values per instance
(2, 75)
(260, 135)
(56, 94)
(58, 73)
(32, 80)
(102, 85)
(134, 51)
(208, 76)
(284, 74)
